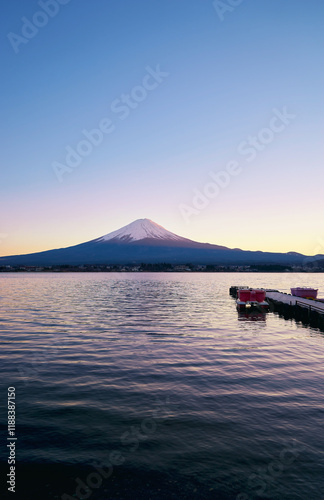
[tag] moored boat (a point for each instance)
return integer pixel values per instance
(304, 292)
(251, 299)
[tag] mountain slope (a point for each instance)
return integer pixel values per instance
(147, 232)
(139, 230)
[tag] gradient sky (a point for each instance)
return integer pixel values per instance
(226, 77)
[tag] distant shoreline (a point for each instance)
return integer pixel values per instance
(161, 268)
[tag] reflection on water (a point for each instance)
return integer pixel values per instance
(252, 316)
(163, 371)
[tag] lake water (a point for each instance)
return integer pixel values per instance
(151, 386)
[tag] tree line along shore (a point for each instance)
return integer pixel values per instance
(167, 267)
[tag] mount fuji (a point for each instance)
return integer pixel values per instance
(141, 229)
(144, 241)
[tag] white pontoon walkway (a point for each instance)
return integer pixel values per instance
(291, 300)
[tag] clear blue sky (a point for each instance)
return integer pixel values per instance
(181, 89)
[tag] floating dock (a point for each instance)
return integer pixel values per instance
(307, 311)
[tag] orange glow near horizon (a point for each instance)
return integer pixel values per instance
(25, 242)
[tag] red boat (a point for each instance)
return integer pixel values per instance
(251, 299)
(305, 293)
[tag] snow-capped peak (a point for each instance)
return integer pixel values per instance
(139, 230)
